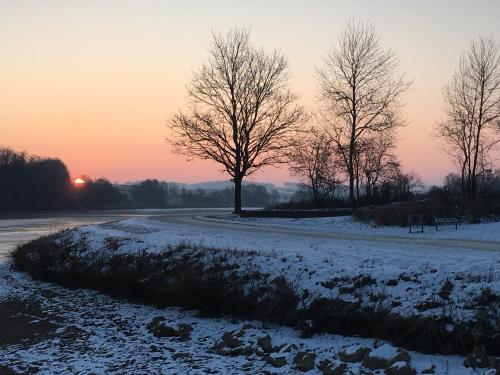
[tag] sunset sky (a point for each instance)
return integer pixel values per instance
(95, 82)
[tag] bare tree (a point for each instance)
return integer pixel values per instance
(374, 161)
(312, 158)
(242, 113)
(360, 92)
(472, 107)
(398, 184)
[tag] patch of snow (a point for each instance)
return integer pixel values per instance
(384, 351)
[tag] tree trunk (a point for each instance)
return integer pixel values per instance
(368, 187)
(237, 195)
(352, 199)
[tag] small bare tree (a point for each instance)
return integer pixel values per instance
(242, 114)
(398, 184)
(374, 162)
(360, 92)
(312, 158)
(472, 108)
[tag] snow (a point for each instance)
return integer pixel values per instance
(406, 279)
(384, 351)
(351, 349)
(347, 225)
(113, 334)
(112, 338)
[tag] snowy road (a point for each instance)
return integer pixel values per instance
(194, 219)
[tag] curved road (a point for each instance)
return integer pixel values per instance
(195, 218)
(20, 228)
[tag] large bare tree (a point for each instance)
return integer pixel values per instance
(313, 159)
(472, 108)
(242, 113)
(361, 91)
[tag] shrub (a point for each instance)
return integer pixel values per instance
(195, 277)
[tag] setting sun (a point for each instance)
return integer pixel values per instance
(79, 181)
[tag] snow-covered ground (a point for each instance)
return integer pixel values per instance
(347, 225)
(93, 333)
(405, 279)
(97, 334)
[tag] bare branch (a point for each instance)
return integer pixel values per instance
(360, 91)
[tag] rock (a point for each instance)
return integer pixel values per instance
(494, 362)
(233, 352)
(304, 361)
(230, 345)
(184, 332)
(446, 289)
(374, 363)
(378, 358)
(402, 356)
(353, 354)
(430, 370)
(329, 368)
(265, 343)
(239, 333)
(159, 329)
(391, 282)
(400, 368)
(477, 359)
(229, 340)
(288, 348)
(276, 361)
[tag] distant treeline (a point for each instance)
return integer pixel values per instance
(31, 183)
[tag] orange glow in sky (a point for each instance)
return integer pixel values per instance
(95, 82)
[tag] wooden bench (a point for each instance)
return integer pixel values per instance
(445, 221)
(416, 221)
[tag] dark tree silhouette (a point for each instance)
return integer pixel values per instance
(374, 161)
(242, 113)
(99, 194)
(149, 193)
(313, 159)
(33, 183)
(472, 105)
(360, 92)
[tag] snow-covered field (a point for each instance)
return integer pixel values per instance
(97, 334)
(406, 279)
(93, 333)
